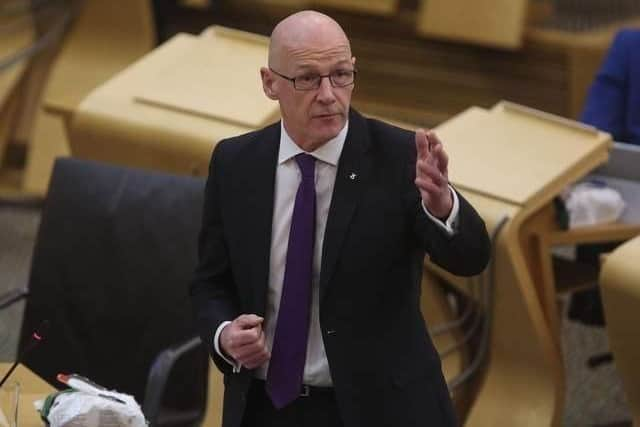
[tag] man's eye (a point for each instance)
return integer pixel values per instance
(342, 73)
(307, 78)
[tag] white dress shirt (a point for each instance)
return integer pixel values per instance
(288, 176)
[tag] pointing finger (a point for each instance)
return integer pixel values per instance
(433, 139)
(422, 144)
(442, 159)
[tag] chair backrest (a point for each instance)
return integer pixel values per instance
(621, 302)
(113, 256)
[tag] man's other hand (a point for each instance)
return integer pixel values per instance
(243, 340)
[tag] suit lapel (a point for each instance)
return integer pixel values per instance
(353, 172)
(260, 175)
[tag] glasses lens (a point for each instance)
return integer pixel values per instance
(342, 77)
(338, 78)
(310, 81)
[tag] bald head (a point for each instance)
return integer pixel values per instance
(311, 74)
(304, 29)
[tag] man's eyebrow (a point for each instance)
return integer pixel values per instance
(310, 67)
(305, 67)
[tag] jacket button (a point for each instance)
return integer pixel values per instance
(331, 331)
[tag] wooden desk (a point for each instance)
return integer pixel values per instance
(511, 161)
(497, 23)
(105, 38)
(541, 233)
(168, 110)
(524, 370)
(621, 174)
(376, 7)
(32, 388)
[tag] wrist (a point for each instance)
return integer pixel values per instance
(442, 210)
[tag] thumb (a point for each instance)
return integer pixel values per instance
(248, 321)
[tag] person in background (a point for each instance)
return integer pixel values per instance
(314, 232)
(613, 102)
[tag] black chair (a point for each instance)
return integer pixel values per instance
(113, 257)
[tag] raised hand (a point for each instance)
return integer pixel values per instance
(432, 174)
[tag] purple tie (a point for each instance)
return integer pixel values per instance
(289, 352)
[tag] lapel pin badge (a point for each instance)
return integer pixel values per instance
(352, 176)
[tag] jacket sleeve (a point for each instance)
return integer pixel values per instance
(606, 100)
(212, 289)
(466, 251)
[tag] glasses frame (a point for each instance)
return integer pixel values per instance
(322, 76)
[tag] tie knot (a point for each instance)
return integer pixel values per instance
(306, 163)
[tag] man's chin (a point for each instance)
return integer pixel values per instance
(328, 133)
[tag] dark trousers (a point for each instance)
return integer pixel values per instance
(318, 409)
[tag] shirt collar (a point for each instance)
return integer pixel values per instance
(328, 152)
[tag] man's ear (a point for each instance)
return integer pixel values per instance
(268, 83)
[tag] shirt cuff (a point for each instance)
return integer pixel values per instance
(216, 345)
(449, 224)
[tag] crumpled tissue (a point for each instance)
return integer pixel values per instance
(591, 203)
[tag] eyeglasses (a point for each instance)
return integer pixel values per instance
(338, 78)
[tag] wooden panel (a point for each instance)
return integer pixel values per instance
(110, 126)
(32, 388)
(218, 77)
(105, 38)
(215, 394)
(289, 3)
(30, 382)
(497, 23)
(378, 7)
(196, 4)
(621, 302)
(524, 371)
(512, 153)
(48, 143)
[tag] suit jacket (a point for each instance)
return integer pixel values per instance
(613, 103)
(384, 367)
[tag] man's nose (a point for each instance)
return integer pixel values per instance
(325, 91)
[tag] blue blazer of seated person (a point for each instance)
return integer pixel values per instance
(613, 103)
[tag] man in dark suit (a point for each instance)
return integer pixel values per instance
(311, 251)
